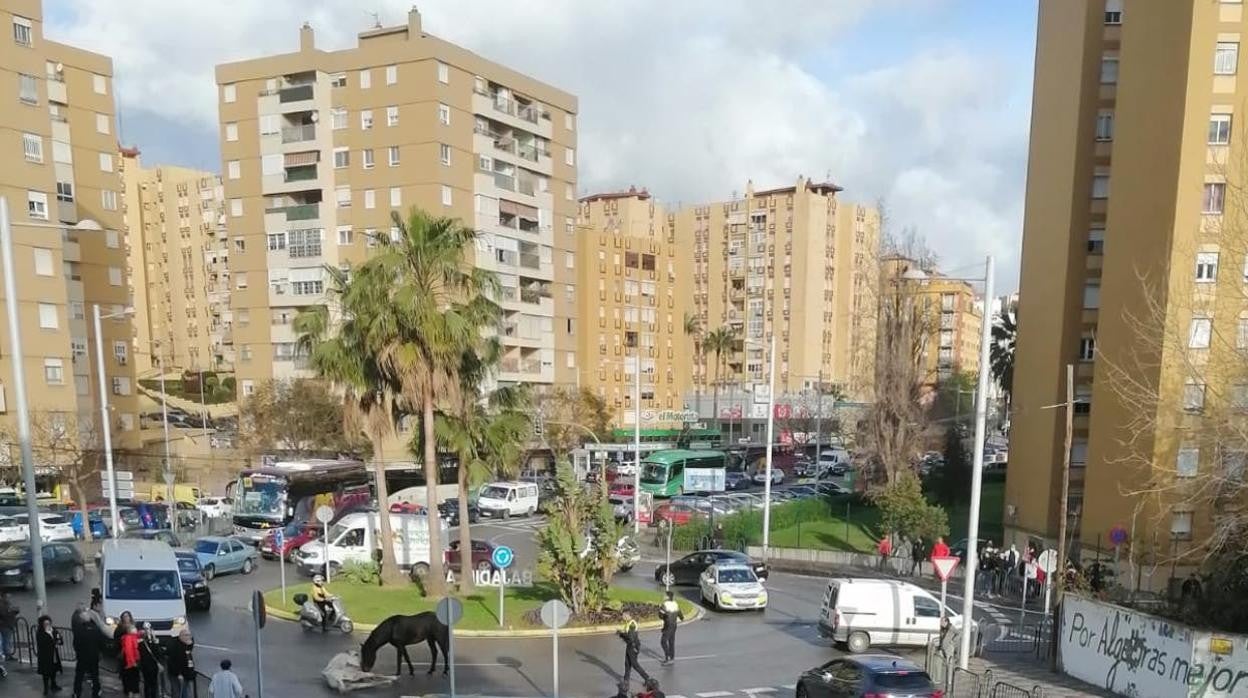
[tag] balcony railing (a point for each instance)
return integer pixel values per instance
(298, 212)
(528, 113)
(504, 181)
(300, 174)
(530, 261)
(531, 295)
(531, 366)
(297, 93)
(525, 187)
(296, 134)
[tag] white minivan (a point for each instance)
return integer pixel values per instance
(142, 577)
(355, 537)
(865, 612)
(504, 499)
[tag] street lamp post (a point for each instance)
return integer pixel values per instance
(771, 426)
(105, 422)
(637, 441)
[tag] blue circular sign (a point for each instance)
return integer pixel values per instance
(502, 557)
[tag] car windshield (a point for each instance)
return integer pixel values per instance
(53, 520)
(147, 585)
(493, 492)
(208, 547)
(903, 680)
(654, 473)
(14, 552)
(261, 497)
(736, 576)
(6, 522)
(188, 564)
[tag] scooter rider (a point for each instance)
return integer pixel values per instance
(322, 599)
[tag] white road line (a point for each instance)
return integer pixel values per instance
(764, 689)
(697, 656)
(715, 694)
(789, 686)
(214, 647)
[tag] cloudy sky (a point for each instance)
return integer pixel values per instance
(921, 103)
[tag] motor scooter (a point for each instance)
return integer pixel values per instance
(310, 615)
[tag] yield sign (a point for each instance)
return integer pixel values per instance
(944, 566)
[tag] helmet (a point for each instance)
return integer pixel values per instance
(318, 579)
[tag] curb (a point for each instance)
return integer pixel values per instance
(698, 614)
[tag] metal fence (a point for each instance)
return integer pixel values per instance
(1033, 639)
(957, 682)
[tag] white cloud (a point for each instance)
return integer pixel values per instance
(689, 98)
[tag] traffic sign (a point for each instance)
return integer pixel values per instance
(555, 614)
(502, 557)
(259, 613)
(278, 539)
(944, 566)
(1117, 535)
(449, 611)
(1047, 561)
(324, 514)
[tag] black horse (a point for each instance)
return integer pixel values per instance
(402, 631)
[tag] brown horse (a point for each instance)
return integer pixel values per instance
(402, 631)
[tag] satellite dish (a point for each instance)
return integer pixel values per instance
(315, 117)
(59, 68)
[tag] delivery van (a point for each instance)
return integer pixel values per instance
(862, 613)
(142, 577)
(505, 499)
(356, 536)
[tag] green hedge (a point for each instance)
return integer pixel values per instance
(746, 528)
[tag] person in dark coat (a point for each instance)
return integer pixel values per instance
(632, 649)
(180, 664)
(47, 654)
(672, 615)
(87, 649)
(149, 662)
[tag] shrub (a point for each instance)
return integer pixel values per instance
(360, 573)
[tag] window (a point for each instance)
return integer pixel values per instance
(228, 94)
(1181, 525)
(234, 169)
(65, 192)
(568, 122)
(108, 199)
(236, 207)
(1105, 125)
(1092, 296)
(366, 119)
(111, 239)
(32, 147)
(343, 194)
(276, 241)
(114, 276)
(444, 73)
(1188, 461)
(231, 131)
(305, 242)
(569, 157)
(444, 115)
(106, 162)
(121, 385)
(1109, 70)
(338, 118)
(338, 80)
(396, 197)
(392, 116)
(444, 153)
(61, 152)
(1100, 186)
(1206, 266)
(1239, 397)
(22, 31)
(37, 205)
(392, 155)
(392, 74)
(1226, 58)
(27, 89)
(344, 235)
(1219, 129)
(47, 316)
(101, 123)
(446, 195)
(1215, 198)
(1113, 11)
(925, 607)
(367, 157)
(77, 310)
(569, 193)
(342, 158)
(54, 371)
(366, 79)
(1193, 396)
(370, 199)
(240, 280)
(270, 124)
(1198, 333)
(43, 261)
(1087, 348)
(1096, 241)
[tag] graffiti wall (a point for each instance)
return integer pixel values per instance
(1143, 656)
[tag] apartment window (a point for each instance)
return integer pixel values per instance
(444, 73)
(111, 239)
(77, 310)
(231, 132)
(1092, 296)
(305, 242)
(342, 158)
(444, 153)
(121, 385)
(344, 235)
(276, 241)
(1214, 198)
(228, 94)
(1113, 11)
(65, 192)
(569, 157)
(47, 317)
(114, 276)
(568, 122)
(23, 31)
(236, 207)
(1241, 332)
(367, 157)
(1206, 266)
(1096, 241)
(1193, 396)
(1187, 463)
(234, 169)
(1219, 129)
(37, 205)
(1105, 125)
(392, 74)
(106, 162)
(32, 147)
(54, 371)
(1100, 186)
(366, 119)
(338, 118)
(101, 123)
(1087, 348)
(444, 115)
(108, 199)
(61, 152)
(27, 89)
(1109, 70)
(240, 280)
(1198, 333)
(1226, 58)
(370, 199)
(1239, 397)
(446, 195)
(343, 195)
(1181, 525)
(396, 197)
(366, 79)
(338, 80)
(392, 155)
(569, 193)
(392, 116)
(43, 261)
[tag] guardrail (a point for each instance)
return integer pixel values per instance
(956, 682)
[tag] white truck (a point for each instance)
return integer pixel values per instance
(356, 536)
(142, 577)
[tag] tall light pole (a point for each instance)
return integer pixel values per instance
(105, 422)
(771, 426)
(637, 440)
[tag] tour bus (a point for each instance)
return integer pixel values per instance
(273, 496)
(663, 472)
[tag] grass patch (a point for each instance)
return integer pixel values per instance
(817, 523)
(373, 604)
(991, 511)
(857, 533)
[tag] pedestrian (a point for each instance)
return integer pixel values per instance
(939, 548)
(717, 537)
(632, 649)
(885, 549)
(48, 655)
(181, 666)
(86, 643)
(672, 615)
(916, 556)
(621, 690)
(130, 659)
(150, 661)
(8, 626)
(225, 683)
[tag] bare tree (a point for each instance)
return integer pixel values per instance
(569, 417)
(302, 417)
(72, 446)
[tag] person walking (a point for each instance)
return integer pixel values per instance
(916, 556)
(632, 649)
(149, 662)
(129, 663)
(672, 615)
(225, 683)
(180, 664)
(8, 626)
(86, 643)
(885, 549)
(940, 548)
(48, 655)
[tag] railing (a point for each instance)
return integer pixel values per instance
(941, 664)
(504, 181)
(530, 261)
(528, 113)
(532, 296)
(525, 187)
(298, 212)
(529, 366)
(297, 93)
(301, 173)
(295, 134)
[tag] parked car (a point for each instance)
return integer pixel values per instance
(777, 476)
(731, 586)
(622, 507)
(737, 480)
(674, 513)
(10, 531)
(98, 528)
(218, 555)
(194, 586)
(689, 568)
(161, 534)
(831, 489)
(620, 488)
(52, 527)
(867, 675)
(407, 508)
(482, 555)
(959, 548)
(216, 507)
(804, 491)
(61, 562)
(293, 536)
(448, 509)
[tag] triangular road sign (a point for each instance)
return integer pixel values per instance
(944, 566)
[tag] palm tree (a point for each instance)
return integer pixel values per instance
(1001, 352)
(718, 342)
(693, 328)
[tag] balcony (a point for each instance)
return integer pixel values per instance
(300, 174)
(530, 261)
(530, 367)
(298, 134)
(298, 212)
(504, 181)
(296, 93)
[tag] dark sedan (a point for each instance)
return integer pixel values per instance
(448, 509)
(867, 675)
(61, 562)
(689, 568)
(194, 587)
(737, 480)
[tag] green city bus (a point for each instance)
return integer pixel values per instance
(663, 472)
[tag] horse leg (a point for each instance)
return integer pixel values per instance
(446, 659)
(433, 656)
(398, 660)
(411, 670)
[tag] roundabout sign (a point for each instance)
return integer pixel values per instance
(502, 557)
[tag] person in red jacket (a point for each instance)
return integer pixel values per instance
(939, 548)
(885, 549)
(130, 671)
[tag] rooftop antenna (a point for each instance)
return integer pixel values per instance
(376, 18)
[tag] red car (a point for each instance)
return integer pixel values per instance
(406, 508)
(623, 489)
(482, 555)
(291, 543)
(678, 514)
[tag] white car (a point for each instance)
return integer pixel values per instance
(10, 530)
(777, 476)
(52, 528)
(215, 507)
(732, 586)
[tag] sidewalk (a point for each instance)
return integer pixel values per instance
(1027, 672)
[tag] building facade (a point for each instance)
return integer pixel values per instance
(1130, 205)
(952, 318)
(319, 148)
(61, 180)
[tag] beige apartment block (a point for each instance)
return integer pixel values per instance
(1131, 216)
(175, 234)
(635, 289)
(953, 317)
(319, 147)
(60, 177)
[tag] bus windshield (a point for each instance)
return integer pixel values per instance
(260, 497)
(654, 473)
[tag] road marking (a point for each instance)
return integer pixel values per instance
(214, 647)
(765, 689)
(697, 656)
(789, 686)
(715, 694)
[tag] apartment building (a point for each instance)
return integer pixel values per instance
(1130, 206)
(320, 147)
(633, 273)
(954, 316)
(174, 234)
(60, 178)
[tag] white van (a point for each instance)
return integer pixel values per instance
(865, 612)
(504, 499)
(355, 537)
(141, 576)
(832, 461)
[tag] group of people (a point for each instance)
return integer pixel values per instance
(917, 554)
(672, 615)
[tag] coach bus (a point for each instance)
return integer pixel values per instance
(663, 472)
(273, 496)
